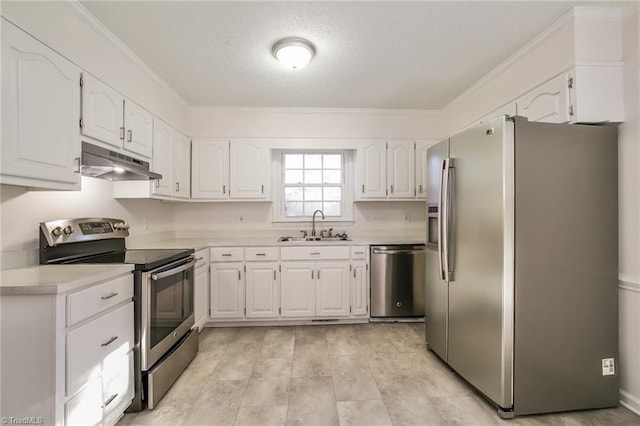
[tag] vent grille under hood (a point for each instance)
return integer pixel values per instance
(106, 164)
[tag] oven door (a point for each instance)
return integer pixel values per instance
(167, 309)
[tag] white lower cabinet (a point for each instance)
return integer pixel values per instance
(298, 289)
(227, 290)
(332, 289)
(68, 367)
(360, 289)
(263, 290)
(201, 288)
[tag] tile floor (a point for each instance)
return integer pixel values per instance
(364, 374)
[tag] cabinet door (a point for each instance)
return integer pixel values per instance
(162, 163)
(248, 170)
(210, 169)
(360, 289)
(102, 111)
(181, 165)
(40, 114)
(372, 170)
(263, 290)
(298, 289)
(400, 175)
(548, 102)
(227, 290)
(138, 124)
(421, 167)
(332, 289)
(200, 294)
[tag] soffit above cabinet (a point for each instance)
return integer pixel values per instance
(405, 55)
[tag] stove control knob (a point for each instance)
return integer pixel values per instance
(57, 231)
(125, 225)
(68, 230)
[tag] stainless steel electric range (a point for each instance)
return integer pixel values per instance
(165, 341)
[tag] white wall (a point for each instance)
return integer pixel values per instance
(629, 233)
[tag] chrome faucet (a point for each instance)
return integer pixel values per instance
(313, 222)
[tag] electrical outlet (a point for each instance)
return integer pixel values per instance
(241, 219)
(379, 217)
(406, 218)
(608, 367)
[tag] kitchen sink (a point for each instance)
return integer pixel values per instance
(314, 239)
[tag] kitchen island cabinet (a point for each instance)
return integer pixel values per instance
(67, 343)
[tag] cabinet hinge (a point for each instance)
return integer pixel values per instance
(81, 123)
(81, 80)
(570, 82)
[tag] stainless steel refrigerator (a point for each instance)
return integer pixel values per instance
(522, 263)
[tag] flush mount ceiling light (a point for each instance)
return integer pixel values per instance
(293, 52)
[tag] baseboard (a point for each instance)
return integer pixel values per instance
(630, 402)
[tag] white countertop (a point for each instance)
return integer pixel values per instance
(260, 241)
(54, 279)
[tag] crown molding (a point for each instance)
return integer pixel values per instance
(99, 28)
(319, 111)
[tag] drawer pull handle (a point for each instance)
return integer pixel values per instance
(315, 253)
(358, 252)
(226, 254)
(261, 254)
(109, 296)
(110, 400)
(108, 342)
(199, 259)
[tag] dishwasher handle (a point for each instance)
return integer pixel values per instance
(376, 250)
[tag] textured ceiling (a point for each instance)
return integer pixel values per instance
(368, 54)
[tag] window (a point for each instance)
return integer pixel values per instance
(313, 180)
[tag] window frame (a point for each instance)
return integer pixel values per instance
(279, 185)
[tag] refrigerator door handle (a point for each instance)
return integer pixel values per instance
(440, 216)
(450, 221)
(444, 222)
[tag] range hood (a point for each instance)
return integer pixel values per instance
(103, 163)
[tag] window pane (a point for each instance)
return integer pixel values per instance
(292, 176)
(312, 161)
(309, 208)
(293, 161)
(332, 209)
(313, 176)
(332, 161)
(332, 176)
(292, 209)
(293, 193)
(313, 194)
(332, 193)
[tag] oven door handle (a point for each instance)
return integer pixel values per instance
(164, 274)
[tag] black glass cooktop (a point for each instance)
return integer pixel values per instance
(143, 259)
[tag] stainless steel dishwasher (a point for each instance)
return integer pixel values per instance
(397, 281)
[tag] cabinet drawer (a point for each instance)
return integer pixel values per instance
(93, 300)
(202, 258)
(314, 252)
(359, 252)
(86, 407)
(98, 346)
(261, 253)
(226, 254)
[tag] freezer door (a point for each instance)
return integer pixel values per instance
(436, 287)
(481, 258)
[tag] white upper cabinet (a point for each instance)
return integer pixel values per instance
(172, 156)
(138, 124)
(372, 167)
(40, 114)
(102, 111)
(386, 170)
(584, 94)
(181, 165)
(249, 167)
(210, 169)
(400, 169)
(109, 117)
(421, 167)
